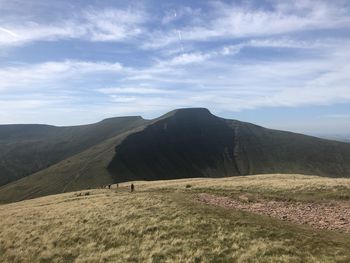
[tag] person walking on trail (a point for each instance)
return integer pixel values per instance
(132, 188)
(109, 186)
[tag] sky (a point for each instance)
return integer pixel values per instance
(280, 64)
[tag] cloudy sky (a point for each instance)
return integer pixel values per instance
(281, 64)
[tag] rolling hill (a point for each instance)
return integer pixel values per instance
(181, 144)
(26, 149)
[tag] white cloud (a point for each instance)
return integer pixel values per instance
(231, 50)
(9, 32)
(29, 76)
(186, 58)
(286, 42)
(31, 31)
(198, 57)
(231, 21)
(21, 104)
(179, 13)
(122, 99)
(234, 86)
(92, 25)
(134, 90)
(114, 24)
(186, 81)
(223, 21)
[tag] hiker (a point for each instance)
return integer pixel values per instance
(109, 186)
(132, 188)
(117, 185)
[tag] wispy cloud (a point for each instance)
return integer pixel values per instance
(186, 81)
(37, 75)
(232, 21)
(21, 104)
(176, 14)
(185, 58)
(134, 90)
(9, 32)
(113, 25)
(92, 25)
(225, 21)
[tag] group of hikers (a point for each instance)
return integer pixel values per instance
(132, 187)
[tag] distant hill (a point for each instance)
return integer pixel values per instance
(336, 137)
(181, 144)
(26, 149)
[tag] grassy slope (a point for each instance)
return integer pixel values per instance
(163, 222)
(85, 170)
(26, 149)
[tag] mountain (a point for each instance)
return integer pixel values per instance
(195, 143)
(26, 149)
(337, 137)
(181, 144)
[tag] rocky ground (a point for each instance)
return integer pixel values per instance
(333, 215)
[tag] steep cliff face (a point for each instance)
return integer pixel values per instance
(184, 143)
(195, 143)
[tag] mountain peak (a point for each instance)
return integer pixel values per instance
(189, 113)
(195, 109)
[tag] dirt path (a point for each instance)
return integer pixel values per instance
(332, 216)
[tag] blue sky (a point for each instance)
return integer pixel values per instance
(281, 64)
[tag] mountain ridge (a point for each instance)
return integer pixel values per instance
(28, 148)
(181, 144)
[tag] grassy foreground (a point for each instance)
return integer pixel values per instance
(163, 222)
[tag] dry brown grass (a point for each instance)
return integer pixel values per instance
(279, 186)
(162, 222)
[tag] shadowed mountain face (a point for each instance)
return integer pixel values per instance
(26, 149)
(183, 143)
(195, 143)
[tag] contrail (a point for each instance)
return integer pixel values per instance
(179, 33)
(180, 39)
(8, 32)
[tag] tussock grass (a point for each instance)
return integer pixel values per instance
(163, 222)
